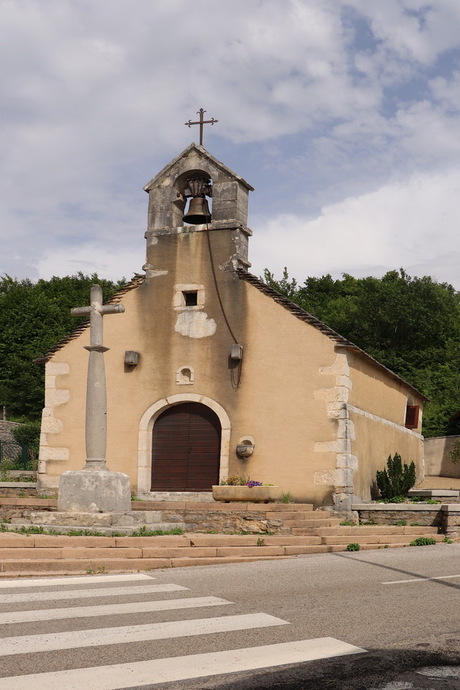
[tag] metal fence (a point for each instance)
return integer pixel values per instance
(14, 456)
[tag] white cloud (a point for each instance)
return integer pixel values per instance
(322, 101)
(412, 224)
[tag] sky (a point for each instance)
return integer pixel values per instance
(342, 114)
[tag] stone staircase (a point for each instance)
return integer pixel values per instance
(275, 531)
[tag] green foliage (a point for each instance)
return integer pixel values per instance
(33, 318)
(401, 523)
(423, 541)
(286, 497)
(395, 481)
(348, 523)
(353, 547)
(27, 434)
(411, 325)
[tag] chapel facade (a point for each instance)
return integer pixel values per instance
(212, 373)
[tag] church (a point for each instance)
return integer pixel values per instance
(212, 373)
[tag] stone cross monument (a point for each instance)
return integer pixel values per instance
(95, 488)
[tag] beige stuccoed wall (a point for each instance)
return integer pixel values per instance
(282, 373)
(275, 403)
(437, 461)
(301, 398)
(377, 408)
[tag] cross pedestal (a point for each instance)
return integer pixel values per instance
(95, 489)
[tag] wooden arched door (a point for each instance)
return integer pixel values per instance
(186, 449)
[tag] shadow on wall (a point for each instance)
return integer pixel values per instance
(437, 460)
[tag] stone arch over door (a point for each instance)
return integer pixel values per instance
(146, 432)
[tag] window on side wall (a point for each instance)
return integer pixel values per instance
(412, 415)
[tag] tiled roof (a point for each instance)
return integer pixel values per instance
(137, 280)
(305, 316)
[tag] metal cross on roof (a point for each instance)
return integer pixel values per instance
(201, 122)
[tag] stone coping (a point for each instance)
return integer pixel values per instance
(415, 507)
(434, 493)
(18, 485)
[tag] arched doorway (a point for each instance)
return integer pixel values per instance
(186, 448)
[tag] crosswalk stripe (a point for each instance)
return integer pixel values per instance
(80, 579)
(27, 597)
(117, 677)
(109, 609)
(29, 644)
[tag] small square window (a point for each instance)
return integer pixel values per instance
(190, 298)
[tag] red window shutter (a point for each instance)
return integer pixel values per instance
(412, 413)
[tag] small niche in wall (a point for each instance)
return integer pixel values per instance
(190, 298)
(185, 375)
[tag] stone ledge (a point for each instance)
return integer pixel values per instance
(402, 507)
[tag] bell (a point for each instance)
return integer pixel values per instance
(198, 211)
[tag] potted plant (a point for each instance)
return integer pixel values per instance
(243, 489)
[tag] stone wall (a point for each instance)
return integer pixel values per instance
(6, 430)
(437, 461)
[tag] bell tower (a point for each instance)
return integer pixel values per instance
(195, 193)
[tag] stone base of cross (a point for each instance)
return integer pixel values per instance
(95, 489)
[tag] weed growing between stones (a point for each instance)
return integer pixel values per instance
(423, 541)
(353, 547)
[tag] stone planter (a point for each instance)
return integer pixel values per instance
(247, 494)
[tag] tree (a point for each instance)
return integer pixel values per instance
(411, 325)
(33, 318)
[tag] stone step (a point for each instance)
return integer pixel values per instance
(225, 507)
(342, 530)
(315, 523)
(109, 531)
(29, 568)
(380, 538)
(125, 519)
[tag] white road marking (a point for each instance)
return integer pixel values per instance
(30, 644)
(87, 593)
(109, 610)
(117, 677)
(420, 579)
(80, 579)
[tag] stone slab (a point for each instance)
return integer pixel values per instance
(179, 552)
(94, 491)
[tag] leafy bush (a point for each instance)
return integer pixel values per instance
(397, 479)
(423, 541)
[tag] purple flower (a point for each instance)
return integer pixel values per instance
(251, 483)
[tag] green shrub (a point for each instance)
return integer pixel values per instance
(396, 480)
(353, 547)
(423, 541)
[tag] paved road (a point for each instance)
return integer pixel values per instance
(358, 620)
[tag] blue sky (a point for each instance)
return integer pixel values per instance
(343, 114)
